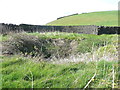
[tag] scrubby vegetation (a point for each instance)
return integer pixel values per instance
(59, 60)
(58, 44)
(104, 18)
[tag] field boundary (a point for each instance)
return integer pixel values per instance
(84, 29)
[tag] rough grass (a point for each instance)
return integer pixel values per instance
(19, 72)
(105, 18)
(96, 54)
(56, 44)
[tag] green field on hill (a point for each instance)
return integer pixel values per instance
(105, 18)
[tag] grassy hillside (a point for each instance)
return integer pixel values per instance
(105, 18)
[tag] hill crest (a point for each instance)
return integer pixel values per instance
(103, 18)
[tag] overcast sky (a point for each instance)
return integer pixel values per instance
(40, 12)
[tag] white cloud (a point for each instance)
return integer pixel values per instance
(44, 11)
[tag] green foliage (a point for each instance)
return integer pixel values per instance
(91, 42)
(58, 35)
(107, 49)
(105, 18)
(105, 75)
(23, 72)
(4, 37)
(47, 75)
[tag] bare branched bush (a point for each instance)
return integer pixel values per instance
(39, 47)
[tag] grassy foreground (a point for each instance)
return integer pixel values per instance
(105, 18)
(19, 72)
(99, 65)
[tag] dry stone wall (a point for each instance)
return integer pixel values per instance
(85, 29)
(108, 30)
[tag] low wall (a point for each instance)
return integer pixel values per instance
(108, 30)
(85, 29)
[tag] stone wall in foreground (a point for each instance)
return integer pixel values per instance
(85, 29)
